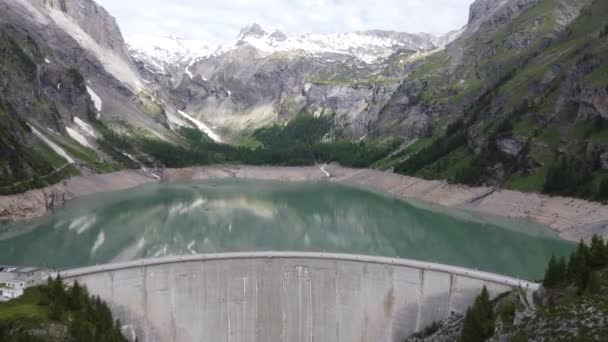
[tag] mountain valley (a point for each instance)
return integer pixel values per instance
(515, 99)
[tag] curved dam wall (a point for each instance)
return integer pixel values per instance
(287, 297)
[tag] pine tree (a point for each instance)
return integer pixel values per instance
(582, 280)
(478, 323)
(597, 253)
(75, 295)
(88, 317)
(582, 252)
(552, 274)
(571, 268)
(562, 269)
(602, 191)
(81, 330)
(486, 313)
(116, 332)
(556, 272)
(471, 332)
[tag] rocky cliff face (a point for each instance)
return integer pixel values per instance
(494, 12)
(92, 28)
(523, 84)
(268, 76)
(91, 18)
(63, 66)
(82, 35)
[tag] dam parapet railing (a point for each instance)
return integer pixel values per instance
(423, 265)
(285, 296)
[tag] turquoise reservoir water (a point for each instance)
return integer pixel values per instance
(236, 215)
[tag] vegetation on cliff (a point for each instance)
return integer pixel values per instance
(45, 96)
(531, 92)
(22, 165)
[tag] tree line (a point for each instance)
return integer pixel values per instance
(305, 140)
(88, 317)
(57, 311)
(581, 269)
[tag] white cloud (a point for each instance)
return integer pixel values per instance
(220, 21)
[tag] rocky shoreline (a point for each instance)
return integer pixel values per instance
(573, 219)
(37, 203)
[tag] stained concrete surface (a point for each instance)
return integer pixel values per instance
(283, 296)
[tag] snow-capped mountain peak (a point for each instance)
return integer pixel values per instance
(169, 50)
(253, 30)
(160, 53)
(369, 46)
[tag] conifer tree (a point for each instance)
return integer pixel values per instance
(556, 272)
(479, 321)
(551, 274)
(571, 268)
(75, 296)
(562, 268)
(597, 253)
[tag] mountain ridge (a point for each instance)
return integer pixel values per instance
(270, 41)
(266, 76)
(489, 103)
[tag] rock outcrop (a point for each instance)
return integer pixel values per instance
(37, 203)
(64, 66)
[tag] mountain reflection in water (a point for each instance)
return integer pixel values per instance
(236, 215)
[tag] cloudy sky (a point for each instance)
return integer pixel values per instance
(219, 21)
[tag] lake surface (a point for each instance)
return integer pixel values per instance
(237, 215)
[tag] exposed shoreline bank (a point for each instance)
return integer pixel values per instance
(573, 219)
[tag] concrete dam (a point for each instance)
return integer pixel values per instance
(279, 296)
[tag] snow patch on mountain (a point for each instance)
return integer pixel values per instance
(96, 101)
(170, 50)
(85, 127)
(52, 145)
(203, 127)
(80, 131)
(177, 120)
(368, 46)
(74, 134)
